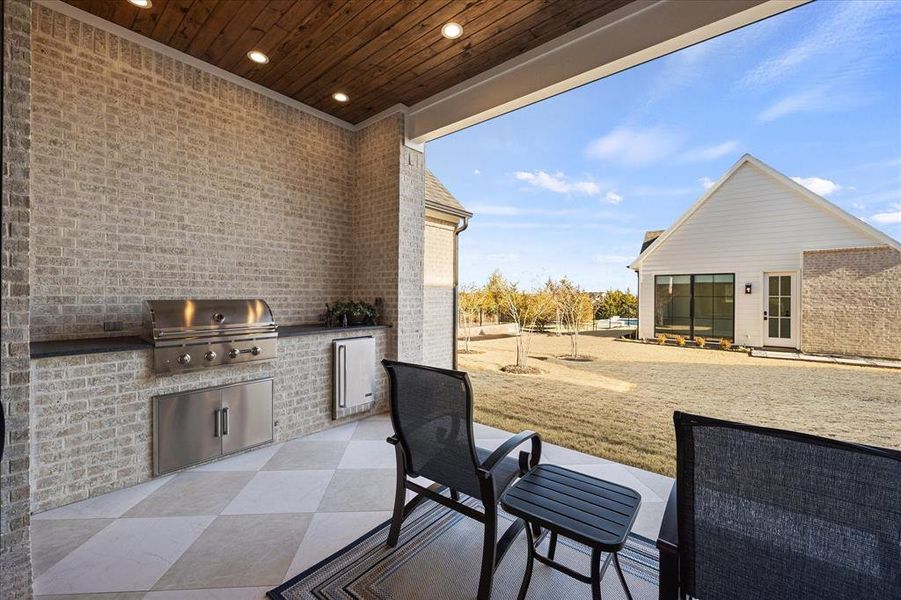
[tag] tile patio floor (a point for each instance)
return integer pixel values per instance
(233, 529)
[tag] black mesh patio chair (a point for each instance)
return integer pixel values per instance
(431, 411)
(765, 513)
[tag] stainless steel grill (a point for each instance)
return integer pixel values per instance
(197, 334)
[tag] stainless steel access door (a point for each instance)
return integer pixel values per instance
(186, 430)
(354, 372)
(246, 415)
(197, 426)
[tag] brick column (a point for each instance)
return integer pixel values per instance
(388, 216)
(411, 252)
(15, 542)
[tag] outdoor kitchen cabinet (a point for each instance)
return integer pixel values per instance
(197, 426)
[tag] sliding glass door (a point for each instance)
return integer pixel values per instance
(695, 305)
(673, 304)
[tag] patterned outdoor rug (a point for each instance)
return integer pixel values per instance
(438, 558)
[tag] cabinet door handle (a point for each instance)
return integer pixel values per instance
(225, 421)
(342, 376)
(217, 423)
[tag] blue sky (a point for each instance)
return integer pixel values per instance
(567, 186)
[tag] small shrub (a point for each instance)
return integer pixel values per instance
(725, 344)
(680, 340)
(700, 341)
(661, 339)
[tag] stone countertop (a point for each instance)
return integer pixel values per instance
(53, 348)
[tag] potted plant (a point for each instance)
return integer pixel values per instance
(353, 313)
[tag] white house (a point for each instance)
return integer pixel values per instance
(763, 261)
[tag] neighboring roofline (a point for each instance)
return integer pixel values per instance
(448, 210)
(810, 196)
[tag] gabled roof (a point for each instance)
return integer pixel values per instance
(649, 238)
(649, 248)
(438, 198)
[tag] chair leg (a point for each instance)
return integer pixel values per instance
(400, 496)
(489, 549)
(595, 574)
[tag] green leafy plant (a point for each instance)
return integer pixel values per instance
(725, 344)
(357, 313)
(661, 339)
(700, 341)
(680, 340)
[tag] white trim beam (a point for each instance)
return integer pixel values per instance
(629, 36)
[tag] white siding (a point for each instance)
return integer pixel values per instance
(750, 225)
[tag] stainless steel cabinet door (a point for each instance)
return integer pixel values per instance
(246, 415)
(354, 371)
(186, 429)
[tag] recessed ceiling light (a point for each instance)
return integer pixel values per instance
(452, 30)
(258, 57)
(142, 3)
(340, 96)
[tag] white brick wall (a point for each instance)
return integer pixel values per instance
(851, 302)
(15, 541)
(438, 294)
(154, 179)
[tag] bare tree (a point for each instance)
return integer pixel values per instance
(470, 302)
(575, 308)
(525, 309)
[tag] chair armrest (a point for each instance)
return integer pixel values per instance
(668, 538)
(526, 460)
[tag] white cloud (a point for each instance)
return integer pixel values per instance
(887, 218)
(634, 147)
(558, 183)
(705, 153)
(613, 198)
(818, 185)
(848, 29)
(706, 182)
(476, 172)
(801, 102)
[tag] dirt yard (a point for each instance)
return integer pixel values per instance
(620, 405)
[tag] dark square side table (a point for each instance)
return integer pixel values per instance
(585, 509)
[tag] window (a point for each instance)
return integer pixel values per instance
(695, 305)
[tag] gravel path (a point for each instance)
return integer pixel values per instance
(620, 405)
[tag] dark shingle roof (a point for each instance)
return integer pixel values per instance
(438, 198)
(650, 237)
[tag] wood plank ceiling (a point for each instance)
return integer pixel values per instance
(378, 52)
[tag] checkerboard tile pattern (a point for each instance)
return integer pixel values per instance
(232, 529)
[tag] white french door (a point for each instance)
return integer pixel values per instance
(780, 314)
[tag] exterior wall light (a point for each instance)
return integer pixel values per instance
(747, 288)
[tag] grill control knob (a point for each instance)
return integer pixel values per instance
(218, 317)
(184, 359)
(256, 350)
(211, 355)
(234, 353)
